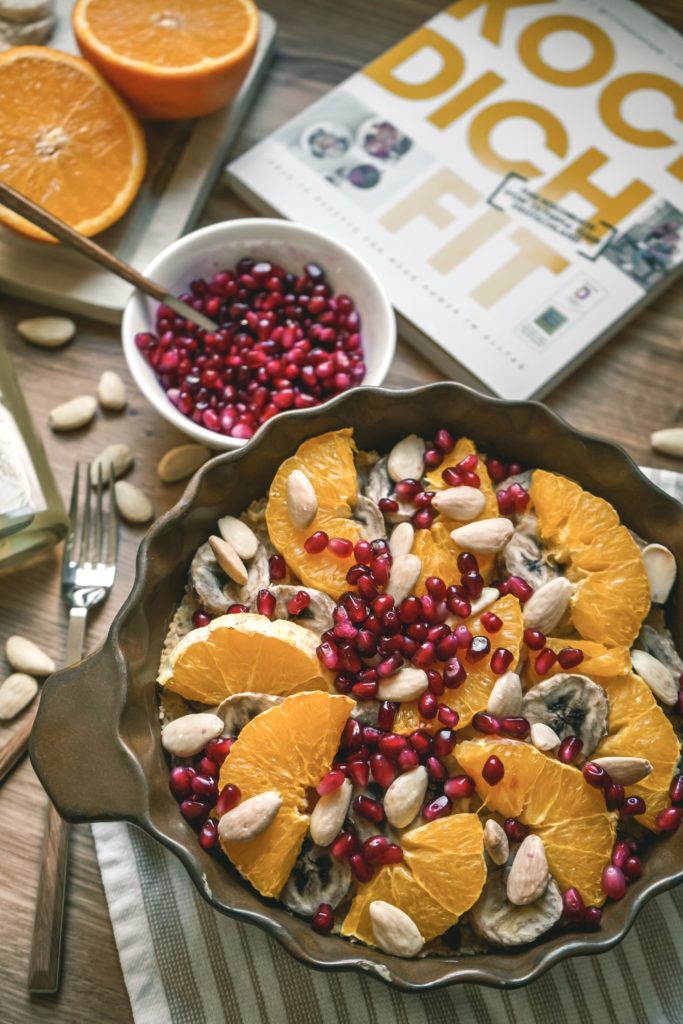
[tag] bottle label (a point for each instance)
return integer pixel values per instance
(20, 490)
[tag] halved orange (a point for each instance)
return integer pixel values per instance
(555, 802)
(583, 534)
(434, 546)
(288, 748)
(639, 728)
(472, 695)
(66, 141)
(244, 653)
(170, 58)
(441, 877)
(598, 661)
(328, 462)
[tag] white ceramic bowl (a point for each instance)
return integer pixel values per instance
(208, 250)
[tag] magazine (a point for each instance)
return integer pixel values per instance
(512, 170)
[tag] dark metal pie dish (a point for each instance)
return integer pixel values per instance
(96, 743)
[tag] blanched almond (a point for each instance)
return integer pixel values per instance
(47, 331)
(132, 503)
(250, 818)
(25, 656)
(73, 414)
(328, 814)
(669, 441)
(187, 735)
(529, 873)
(543, 737)
(404, 574)
(656, 675)
(241, 536)
(547, 605)
(486, 537)
(181, 462)
(111, 391)
(405, 460)
(496, 842)
(393, 930)
(505, 699)
(459, 502)
(403, 798)
(407, 684)
(401, 540)
(626, 770)
(17, 691)
(488, 596)
(228, 559)
(302, 503)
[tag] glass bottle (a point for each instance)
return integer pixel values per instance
(32, 514)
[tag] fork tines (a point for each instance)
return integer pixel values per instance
(94, 531)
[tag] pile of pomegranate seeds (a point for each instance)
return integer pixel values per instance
(285, 342)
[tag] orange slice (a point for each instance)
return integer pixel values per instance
(441, 877)
(583, 534)
(434, 546)
(66, 141)
(556, 803)
(639, 728)
(472, 695)
(181, 58)
(288, 748)
(598, 661)
(328, 462)
(244, 653)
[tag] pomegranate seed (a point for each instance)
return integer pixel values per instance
(534, 639)
(195, 811)
(425, 655)
(501, 659)
(467, 562)
(570, 657)
(516, 726)
(435, 682)
(201, 618)
(359, 772)
(460, 606)
(506, 504)
(435, 769)
(458, 786)
(179, 782)
(330, 782)
(204, 786)
(265, 603)
(482, 721)
(323, 919)
(491, 622)
(368, 808)
(519, 588)
(573, 906)
(352, 735)
(344, 845)
(393, 854)
(340, 546)
(328, 655)
(632, 867)
(374, 849)
(423, 499)
(497, 470)
(365, 690)
(432, 458)
(569, 749)
(228, 798)
(389, 666)
(473, 582)
(408, 759)
(545, 661)
(515, 830)
(387, 505)
(515, 469)
(448, 716)
(436, 587)
(439, 808)
(463, 635)
(468, 464)
(208, 834)
(316, 543)
(277, 568)
(444, 441)
(592, 919)
(443, 742)
(615, 796)
(633, 805)
(386, 714)
(451, 477)
(391, 745)
(478, 649)
(410, 610)
(613, 882)
(421, 742)
(382, 604)
(676, 789)
(208, 767)
(237, 609)
(519, 495)
(595, 775)
(428, 705)
(669, 819)
(407, 489)
(218, 750)
(362, 551)
(493, 770)
(620, 853)
(298, 602)
(361, 870)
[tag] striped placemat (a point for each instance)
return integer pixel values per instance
(184, 963)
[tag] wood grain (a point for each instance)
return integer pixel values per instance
(632, 387)
(46, 950)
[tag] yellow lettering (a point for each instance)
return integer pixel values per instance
(467, 98)
(494, 15)
(576, 178)
(469, 240)
(383, 70)
(424, 201)
(614, 94)
(529, 47)
(485, 121)
(532, 253)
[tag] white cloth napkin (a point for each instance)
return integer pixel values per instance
(184, 963)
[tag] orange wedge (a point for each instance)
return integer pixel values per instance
(598, 660)
(639, 728)
(328, 462)
(182, 58)
(434, 546)
(472, 695)
(583, 534)
(555, 802)
(66, 141)
(244, 653)
(441, 877)
(288, 748)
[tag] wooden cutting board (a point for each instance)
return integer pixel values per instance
(185, 157)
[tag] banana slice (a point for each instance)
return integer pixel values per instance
(571, 705)
(502, 923)
(24, 33)
(525, 556)
(317, 878)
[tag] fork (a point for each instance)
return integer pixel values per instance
(86, 581)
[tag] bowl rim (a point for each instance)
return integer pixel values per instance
(394, 971)
(136, 305)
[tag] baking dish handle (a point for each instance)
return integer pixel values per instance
(87, 772)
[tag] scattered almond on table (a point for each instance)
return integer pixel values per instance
(668, 441)
(26, 656)
(111, 392)
(16, 693)
(132, 503)
(47, 331)
(74, 414)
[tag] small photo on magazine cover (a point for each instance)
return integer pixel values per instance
(354, 148)
(650, 248)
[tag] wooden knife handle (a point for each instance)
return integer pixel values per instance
(46, 949)
(17, 746)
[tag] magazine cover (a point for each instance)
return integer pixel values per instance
(512, 170)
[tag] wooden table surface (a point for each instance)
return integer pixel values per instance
(632, 387)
